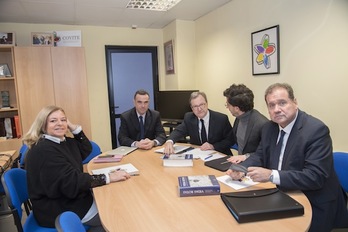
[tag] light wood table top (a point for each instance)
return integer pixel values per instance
(6, 159)
(150, 201)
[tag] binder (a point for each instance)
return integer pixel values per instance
(220, 164)
(258, 205)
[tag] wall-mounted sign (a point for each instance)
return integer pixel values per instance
(67, 38)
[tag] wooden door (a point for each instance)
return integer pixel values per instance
(34, 82)
(70, 84)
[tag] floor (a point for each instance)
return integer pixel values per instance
(6, 221)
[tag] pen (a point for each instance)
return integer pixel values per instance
(209, 156)
(225, 162)
(118, 169)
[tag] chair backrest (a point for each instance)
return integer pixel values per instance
(95, 151)
(341, 168)
(15, 185)
(22, 153)
(69, 222)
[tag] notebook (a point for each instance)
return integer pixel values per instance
(122, 150)
(220, 164)
(258, 205)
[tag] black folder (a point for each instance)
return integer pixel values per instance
(258, 205)
(219, 164)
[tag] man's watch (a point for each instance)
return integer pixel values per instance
(271, 177)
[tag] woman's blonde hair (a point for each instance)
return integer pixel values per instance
(38, 128)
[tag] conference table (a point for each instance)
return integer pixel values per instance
(150, 201)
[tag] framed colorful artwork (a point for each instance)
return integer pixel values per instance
(265, 51)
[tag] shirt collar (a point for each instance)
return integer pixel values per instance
(205, 118)
(244, 116)
(289, 127)
(52, 138)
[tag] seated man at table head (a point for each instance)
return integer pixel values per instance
(56, 181)
(140, 126)
(295, 153)
(218, 130)
(248, 123)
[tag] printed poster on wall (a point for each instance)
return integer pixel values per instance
(67, 38)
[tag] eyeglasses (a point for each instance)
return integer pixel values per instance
(200, 106)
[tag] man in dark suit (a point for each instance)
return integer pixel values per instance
(132, 133)
(248, 123)
(217, 128)
(304, 161)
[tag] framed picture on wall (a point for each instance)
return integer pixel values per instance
(169, 57)
(265, 51)
(42, 39)
(7, 39)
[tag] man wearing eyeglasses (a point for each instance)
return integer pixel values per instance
(209, 129)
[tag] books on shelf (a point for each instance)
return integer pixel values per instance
(10, 128)
(198, 185)
(107, 158)
(129, 168)
(177, 149)
(175, 160)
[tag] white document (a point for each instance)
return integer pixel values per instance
(236, 184)
(177, 149)
(129, 168)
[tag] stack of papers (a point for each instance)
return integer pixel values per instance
(129, 168)
(204, 155)
(236, 184)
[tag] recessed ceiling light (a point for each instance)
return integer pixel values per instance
(156, 5)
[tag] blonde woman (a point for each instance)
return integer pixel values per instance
(56, 181)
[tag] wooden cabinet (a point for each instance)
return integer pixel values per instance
(52, 76)
(8, 90)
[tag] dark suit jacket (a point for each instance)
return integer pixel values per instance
(253, 131)
(130, 127)
(307, 166)
(219, 133)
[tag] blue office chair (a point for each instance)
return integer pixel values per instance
(15, 185)
(341, 168)
(22, 152)
(69, 222)
(95, 151)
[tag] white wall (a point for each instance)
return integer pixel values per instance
(313, 55)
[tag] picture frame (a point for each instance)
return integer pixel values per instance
(42, 39)
(7, 39)
(265, 51)
(169, 57)
(5, 71)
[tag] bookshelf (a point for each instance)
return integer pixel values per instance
(8, 101)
